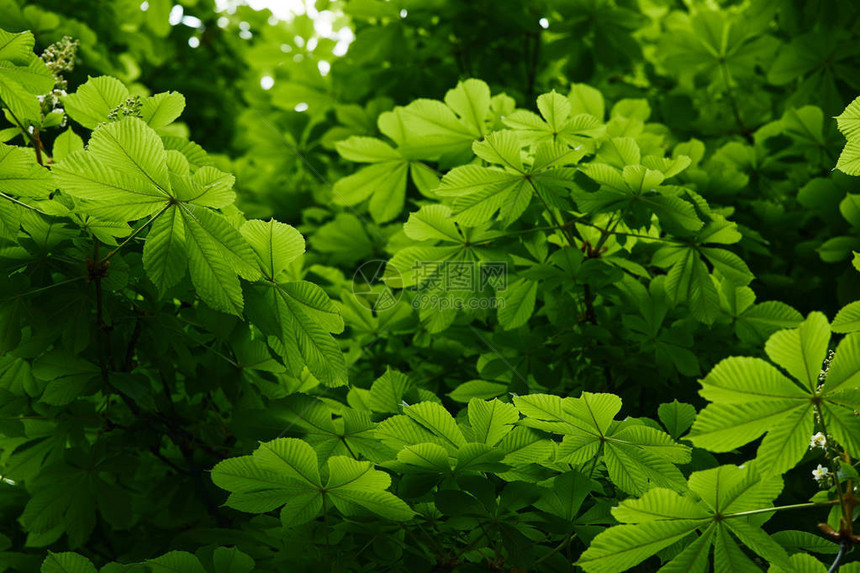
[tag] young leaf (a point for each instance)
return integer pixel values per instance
(661, 517)
(750, 397)
(93, 101)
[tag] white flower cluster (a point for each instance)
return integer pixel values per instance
(59, 57)
(825, 368)
(819, 440)
(821, 475)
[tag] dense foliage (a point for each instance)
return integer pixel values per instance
(577, 292)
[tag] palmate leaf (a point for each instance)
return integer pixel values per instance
(124, 175)
(625, 184)
(477, 193)
(429, 441)
(298, 313)
(661, 517)
(755, 322)
(285, 472)
(635, 455)
(383, 182)
(688, 278)
(432, 129)
(94, 100)
(750, 397)
(557, 123)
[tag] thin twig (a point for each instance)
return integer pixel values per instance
(844, 548)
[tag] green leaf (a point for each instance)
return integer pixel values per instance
(519, 303)
(482, 389)
(659, 504)
(66, 143)
(802, 350)
(20, 86)
(491, 421)
(302, 317)
(93, 101)
(216, 252)
(162, 109)
(384, 183)
(65, 562)
(356, 482)
(164, 252)
(387, 391)
(635, 455)
(231, 560)
(566, 495)
(762, 320)
(623, 546)
(502, 148)
(275, 244)
(176, 562)
(849, 159)
(586, 99)
(688, 281)
(471, 101)
(555, 109)
(301, 508)
(255, 489)
(17, 48)
(849, 120)
(479, 192)
(432, 223)
(662, 517)
(751, 397)
(431, 457)
(694, 557)
(800, 563)
(132, 147)
(291, 458)
(21, 175)
(438, 421)
(847, 319)
(108, 193)
(674, 212)
(619, 152)
(366, 150)
(677, 417)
